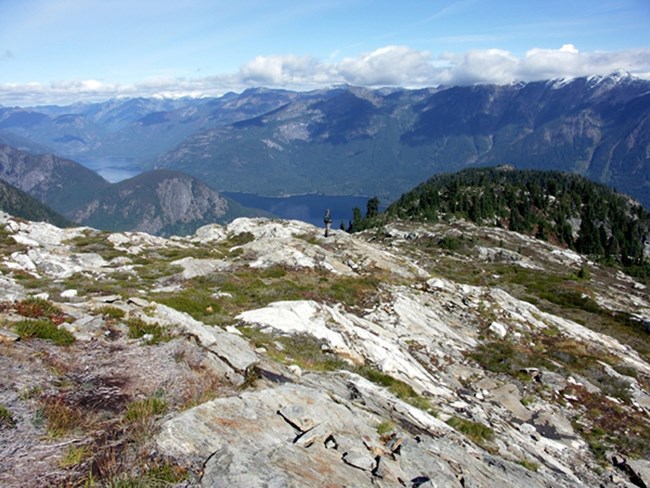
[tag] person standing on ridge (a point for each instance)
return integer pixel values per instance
(328, 222)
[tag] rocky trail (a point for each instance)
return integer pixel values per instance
(263, 354)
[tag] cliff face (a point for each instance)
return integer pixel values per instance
(59, 183)
(262, 353)
(157, 202)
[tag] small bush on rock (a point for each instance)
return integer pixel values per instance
(44, 329)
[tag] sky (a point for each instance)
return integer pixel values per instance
(63, 51)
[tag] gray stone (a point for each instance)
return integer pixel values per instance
(321, 433)
(498, 329)
(8, 336)
(139, 302)
(639, 470)
(298, 416)
(360, 459)
(553, 426)
(231, 349)
(295, 369)
(509, 398)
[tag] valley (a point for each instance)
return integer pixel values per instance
(357, 141)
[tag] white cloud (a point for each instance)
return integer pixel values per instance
(387, 66)
(391, 65)
(486, 66)
(281, 70)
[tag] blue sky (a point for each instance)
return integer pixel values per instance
(66, 50)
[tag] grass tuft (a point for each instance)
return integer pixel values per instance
(75, 455)
(44, 329)
(61, 418)
(477, 432)
(6, 417)
(110, 312)
(400, 389)
(529, 465)
(35, 307)
(385, 427)
(142, 410)
(139, 328)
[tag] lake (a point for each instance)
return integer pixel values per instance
(112, 169)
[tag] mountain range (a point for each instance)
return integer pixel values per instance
(160, 202)
(356, 141)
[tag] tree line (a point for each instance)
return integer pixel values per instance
(563, 208)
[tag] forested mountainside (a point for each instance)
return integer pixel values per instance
(160, 202)
(356, 141)
(373, 142)
(563, 208)
(20, 204)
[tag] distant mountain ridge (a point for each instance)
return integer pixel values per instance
(356, 141)
(159, 202)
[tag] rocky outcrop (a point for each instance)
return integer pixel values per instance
(325, 430)
(261, 353)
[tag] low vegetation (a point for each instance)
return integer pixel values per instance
(6, 417)
(110, 312)
(609, 226)
(143, 410)
(44, 329)
(475, 431)
(35, 307)
(303, 350)
(61, 418)
(399, 388)
(154, 332)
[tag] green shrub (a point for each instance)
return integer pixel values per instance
(35, 307)
(302, 349)
(529, 465)
(43, 329)
(196, 302)
(159, 475)
(475, 431)
(385, 427)
(6, 417)
(111, 312)
(139, 328)
(239, 239)
(450, 243)
(400, 389)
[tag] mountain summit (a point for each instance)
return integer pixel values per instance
(262, 353)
